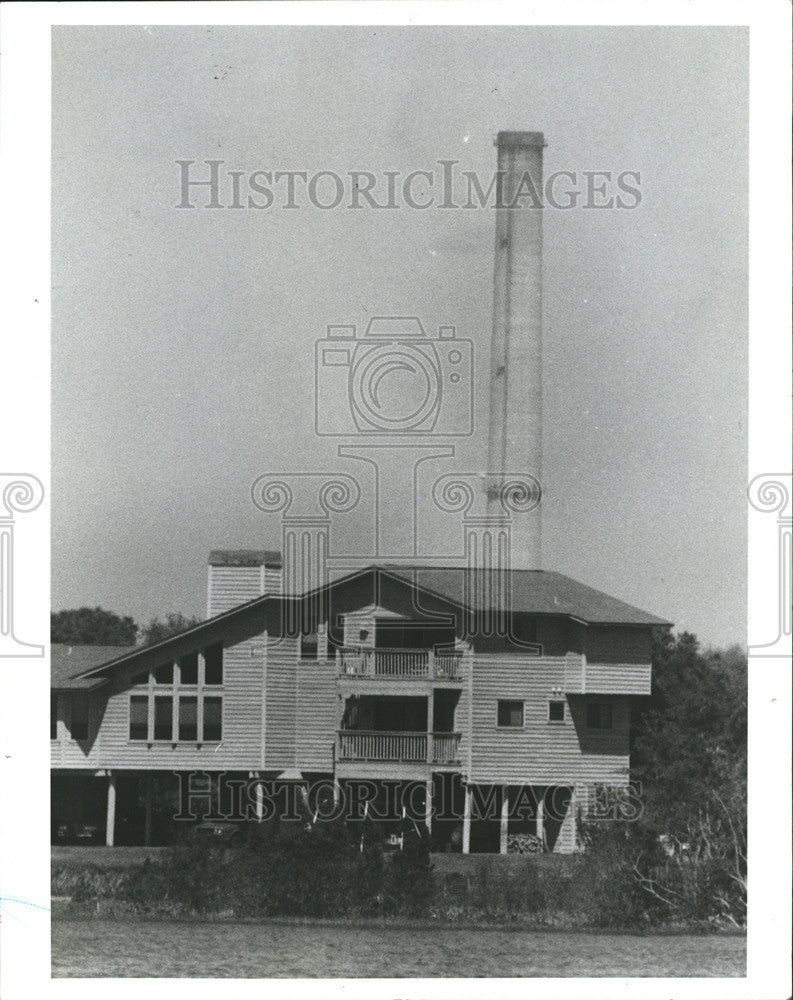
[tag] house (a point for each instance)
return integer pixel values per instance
(489, 708)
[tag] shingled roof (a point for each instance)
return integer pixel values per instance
(67, 662)
(533, 591)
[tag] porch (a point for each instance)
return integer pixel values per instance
(409, 664)
(402, 747)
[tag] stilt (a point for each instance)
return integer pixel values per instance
(504, 827)
(428, 805)
(259, 801)
(110, 828)
(467, 820)
(147, 796)
(541, 818)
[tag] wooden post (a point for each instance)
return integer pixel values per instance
(541, 817)
(428, 805)
(147, 790)
(430, 727)
(259, 800)
(110, 828)
(504, 826)
(467, 820)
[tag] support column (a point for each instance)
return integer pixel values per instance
(504, 825)
(467, 820)
(428, 805)
(147, 796)
(259, 800)
(541, 817)
(110, 828)
(430, 727)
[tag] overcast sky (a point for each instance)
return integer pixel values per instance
(183, 341)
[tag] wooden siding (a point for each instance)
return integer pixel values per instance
(281, 704)
(230, 586)
(108, 744)
(364, 618)
(617, 678)
(317, 714)
(540, 752)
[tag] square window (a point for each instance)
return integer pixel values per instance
(213, 720)
(598, 715)
(139, 717)
(213, 664)
(510, 714)
(79, 717)
(188, 719)
(555, 710)
(163, 717)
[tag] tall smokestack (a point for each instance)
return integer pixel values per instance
(515, 438)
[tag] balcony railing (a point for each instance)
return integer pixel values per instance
(405, 748)
(409, 664)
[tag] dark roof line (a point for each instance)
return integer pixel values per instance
(410, 575)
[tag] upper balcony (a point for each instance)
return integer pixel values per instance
(400, 664)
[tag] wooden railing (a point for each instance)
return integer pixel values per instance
(359, 745)
(411, 664)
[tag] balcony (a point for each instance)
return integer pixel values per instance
(408, 664)
(404, 748)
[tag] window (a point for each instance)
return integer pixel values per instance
(163, 717)
(79, 717)
(309, 646)
(188, 718)
(510, 714)
(164, 674)
(213, 719)
(188, 669)
(555, 710)
(53, 717)
(213, 664)
(598, 715)
(139, 717)
(192, 715)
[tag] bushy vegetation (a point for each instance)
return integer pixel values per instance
(289, 870)
(684, 858)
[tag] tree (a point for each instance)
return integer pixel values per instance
(92, 627)
(684, 858)
(172, 624)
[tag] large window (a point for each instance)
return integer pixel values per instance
(599, 715)
(510, 714)
(139, 717)
(179, 702)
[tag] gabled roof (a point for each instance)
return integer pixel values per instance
(540, 592)
(533, 591)
(68, 662)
